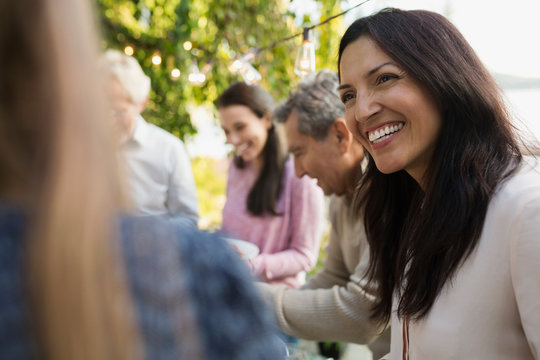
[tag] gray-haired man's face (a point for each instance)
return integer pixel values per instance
(320, 160)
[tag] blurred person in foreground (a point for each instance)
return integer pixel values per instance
(157, 166)
(334, 304)
(76, 280)
(451, 193)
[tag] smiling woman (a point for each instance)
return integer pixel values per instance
(267, 204)
(450, 199)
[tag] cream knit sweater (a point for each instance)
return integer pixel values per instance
(334, 304)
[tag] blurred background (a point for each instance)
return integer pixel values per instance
(187, 48)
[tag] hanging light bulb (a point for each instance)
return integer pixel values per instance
(237, 64)
(305, 61)
(250, 74)
(195, 77)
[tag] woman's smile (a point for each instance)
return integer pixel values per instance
(384, 134)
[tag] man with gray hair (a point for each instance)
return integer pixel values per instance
(157, 167)
(334, 304)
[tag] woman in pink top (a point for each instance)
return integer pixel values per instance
(267, 204)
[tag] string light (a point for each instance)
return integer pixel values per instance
(249, 73)
(128, 50)
(237, 64)
(304, 64)
(187, 45)
(175, 73)
(195, 77)
(156, 59)
(305, 61)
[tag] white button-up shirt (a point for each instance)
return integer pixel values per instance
(158, 173)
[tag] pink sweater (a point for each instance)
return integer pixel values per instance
(289, 243)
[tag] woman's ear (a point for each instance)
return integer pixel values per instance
(267, 119)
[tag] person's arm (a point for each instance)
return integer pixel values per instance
(182, 200)
(334, 271)
(307, 214)
(334, 305)
(339, 313)
(525, 272)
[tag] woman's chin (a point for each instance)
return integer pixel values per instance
(246, 157)
(388, 168)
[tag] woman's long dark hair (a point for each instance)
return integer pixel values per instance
(418, 239)
(263, 195)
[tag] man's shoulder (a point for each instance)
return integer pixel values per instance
(339, 204)
(158, 134)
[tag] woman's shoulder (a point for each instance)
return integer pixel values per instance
(524, 184)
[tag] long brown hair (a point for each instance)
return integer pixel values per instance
(418, 239)
(263, 196)
(56, 160)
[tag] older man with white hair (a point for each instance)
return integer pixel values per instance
(157, 166)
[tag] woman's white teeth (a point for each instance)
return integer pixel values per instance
(242, 147)
(384, 133)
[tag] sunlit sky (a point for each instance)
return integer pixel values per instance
(504, 33)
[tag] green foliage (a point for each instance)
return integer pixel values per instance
(211, 180)
(219, 30)
(322, 254)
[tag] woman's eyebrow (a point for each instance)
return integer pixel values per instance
(376, 68)
(368, 74)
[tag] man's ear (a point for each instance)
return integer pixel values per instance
(342, 134)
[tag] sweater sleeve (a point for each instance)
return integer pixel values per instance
(525, 270)
(334, 271)
(334, 305)
(339, 313)
(307, 214)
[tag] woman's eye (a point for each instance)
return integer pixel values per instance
(346, 97)
(386, 77)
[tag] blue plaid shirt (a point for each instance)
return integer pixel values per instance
(164, 260)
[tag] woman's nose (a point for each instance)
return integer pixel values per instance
(365, 107)
(232, 139)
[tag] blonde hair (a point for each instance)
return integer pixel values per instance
(129, 74)
(55, 159)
